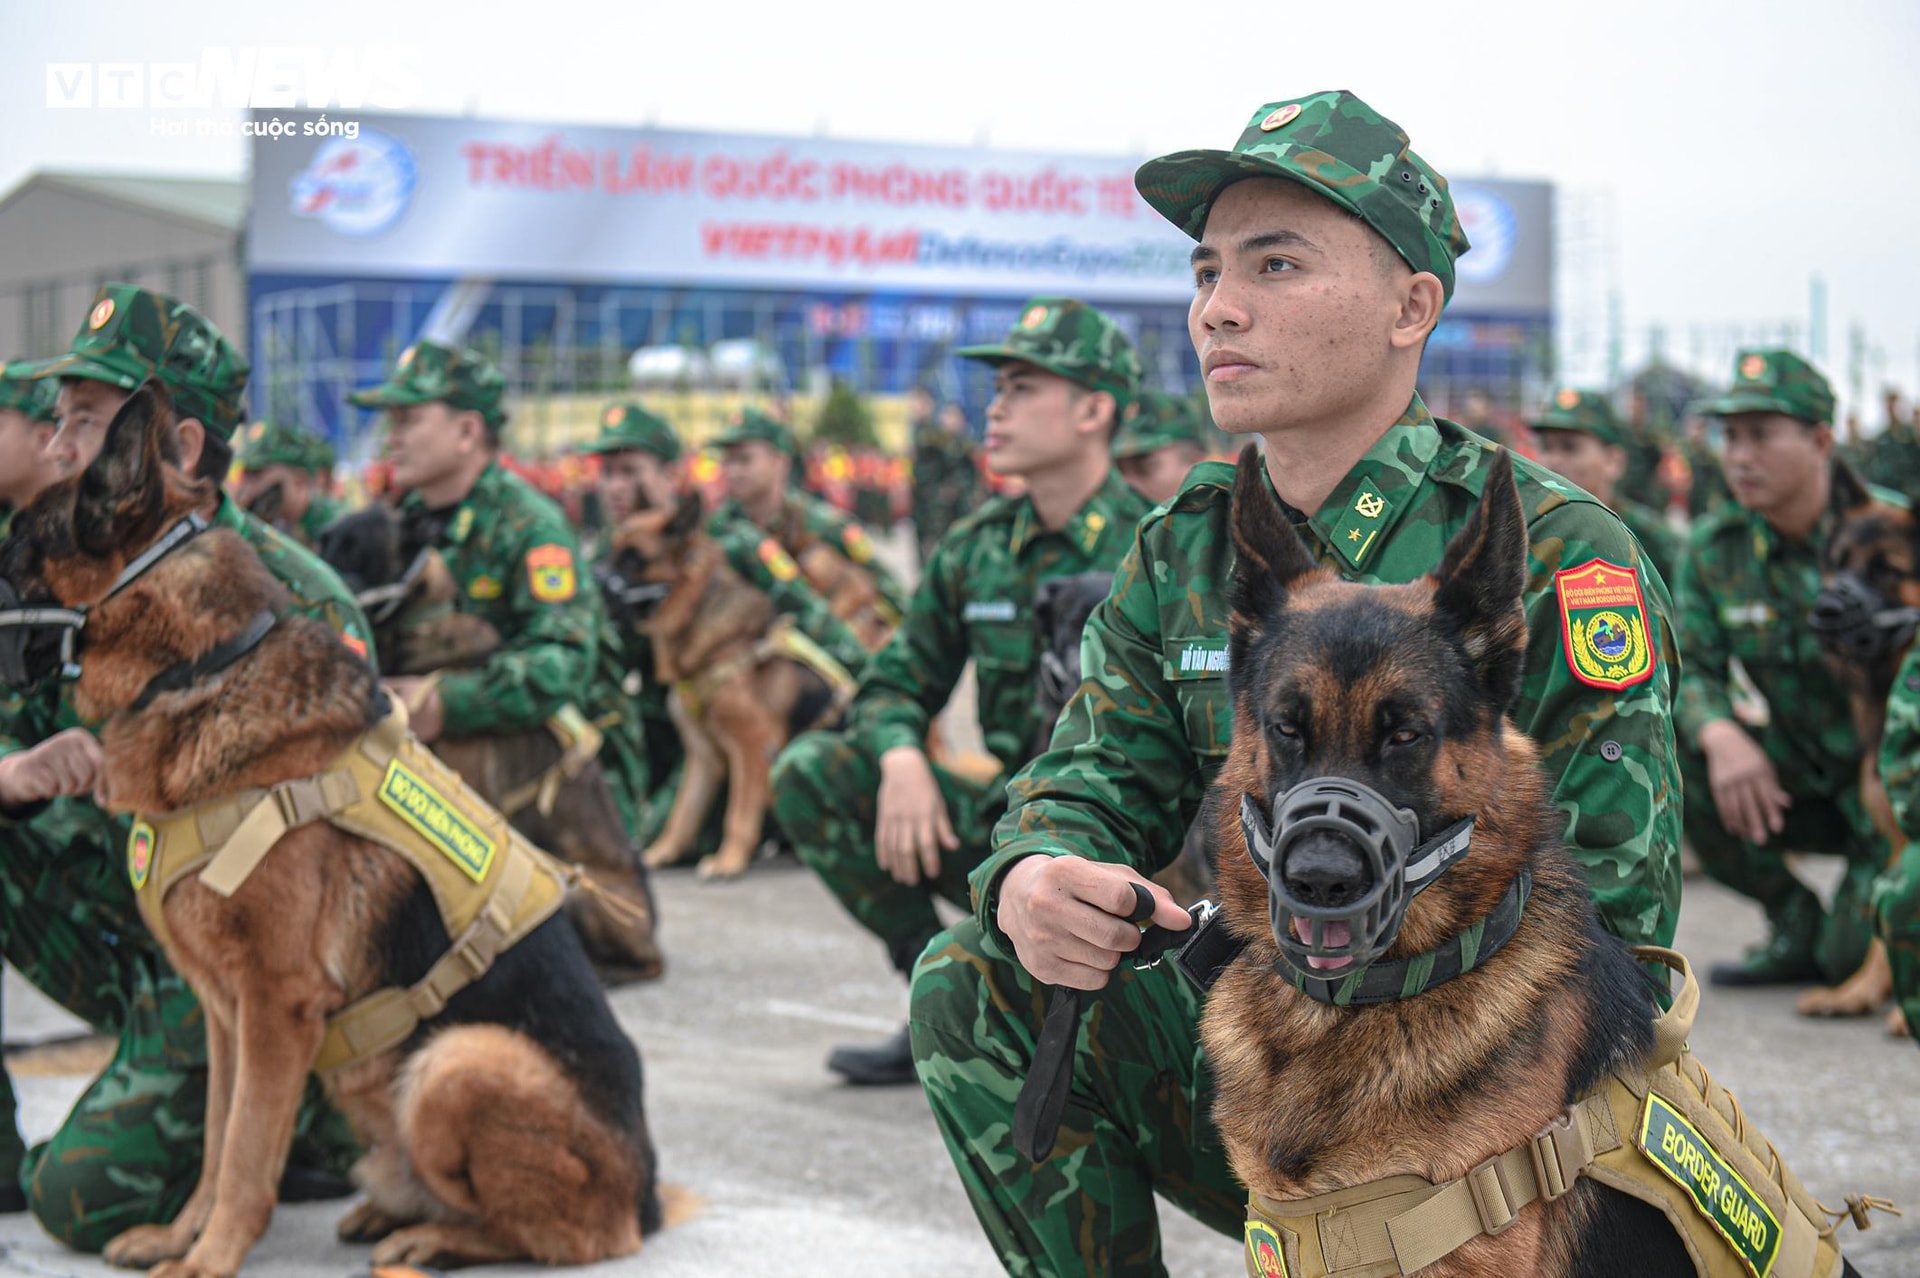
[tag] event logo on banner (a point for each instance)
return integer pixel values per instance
(357, 187)
(1491, 228)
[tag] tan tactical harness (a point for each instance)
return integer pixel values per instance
(491, 886)
(1647, 1129)
(781, 640)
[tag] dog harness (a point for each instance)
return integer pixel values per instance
(1662, 1131)
(782, 639)
(491, 886)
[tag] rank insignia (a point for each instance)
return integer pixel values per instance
(1361, 523)
(484, 587)
(1603, 625)
(550, 573)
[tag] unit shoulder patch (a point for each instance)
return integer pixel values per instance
(1266, 1255)
(858, 548)
(140, 847)
(1716, 1190)
(777, 560)
(550, 573)
(1603, 625)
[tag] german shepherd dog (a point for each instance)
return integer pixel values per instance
(709, 626)
(511, 1125)
(1405, 689)
(850, 593)
(390, 563)
(1866, 617)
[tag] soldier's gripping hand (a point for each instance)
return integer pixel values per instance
(1067, 917)
(1746, 789)
(66, 764)
(911, 825)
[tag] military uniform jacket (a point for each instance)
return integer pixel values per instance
(1900, 746)
(321, 511)
(1746, 591)
(944, 474)
(1137, 746)
(1662, 544)
(805, 520)
(975, 601)
(515, 559)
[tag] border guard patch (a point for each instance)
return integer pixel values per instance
(437, 821)
(1717, 1191)
(1603, 625)
(550, 573)
(140, 845)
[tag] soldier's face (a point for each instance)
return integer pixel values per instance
(430, 442)
(632, 480)
(753, 471)
(1774, 461)
(1582, 459)
(1298, 310)
(1157, 475)
(26, 463)
(84, 410)
(1038, 419)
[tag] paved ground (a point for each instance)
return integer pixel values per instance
(828, 1181)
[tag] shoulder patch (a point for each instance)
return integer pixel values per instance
(140, 845)
(1603, 625)
(859, 549)
(1266, 1255)
(777, 560)
(550, 573)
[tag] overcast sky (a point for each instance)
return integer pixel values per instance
(1718, 154)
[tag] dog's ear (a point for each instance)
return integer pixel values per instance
(687, 517)
(1481, 580)
(1271, 555)
(121, 492)
(1848, 492)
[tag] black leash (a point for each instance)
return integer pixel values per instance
(223, 654)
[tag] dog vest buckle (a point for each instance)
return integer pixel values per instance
(1493, 1197)
(1561, 1151)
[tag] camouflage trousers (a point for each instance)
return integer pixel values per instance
(1896, 909)
(1138, 1120)
(1827, 819)
(129, 1151)
(825, 791)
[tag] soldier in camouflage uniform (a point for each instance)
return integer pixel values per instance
(1896, 894)
(1579, 439)
(129, 1152)
(276, 456)
(1746, 589)
(27, 426)
(509, 549)
(1892, 458)
(1326, 255)
(884, 829)
(946, 473)
(1161, 439)
(639, 470)
(758, 454)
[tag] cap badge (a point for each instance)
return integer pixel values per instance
(101, 313)
(1033, 317)
(615, 415)
(406, 356)
(1568, 398)
(1753, 367)
(1280, 116)
(1369, 505)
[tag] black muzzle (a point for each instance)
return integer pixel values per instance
(629, 602)
(1854, 623)
(37, 642)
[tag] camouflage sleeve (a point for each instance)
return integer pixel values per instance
(1900, 746)
(548, 654)
(1703, 685)
(1120, 779)
(908, 681)
(317, 590)
(770, 569)
(852, 541)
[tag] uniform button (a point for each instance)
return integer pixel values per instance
(1610, 751)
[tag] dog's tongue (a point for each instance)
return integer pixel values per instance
(1331, 934)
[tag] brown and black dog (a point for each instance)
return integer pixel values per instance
(409, 595)
(508, 1126)
(1405, 689)
(736, 702)
(1866, 617)
(850, 593)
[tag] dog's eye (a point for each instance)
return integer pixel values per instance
(1404, 736)
(1284, 728)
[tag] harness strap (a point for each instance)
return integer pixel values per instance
(580, 741)
(185, 674)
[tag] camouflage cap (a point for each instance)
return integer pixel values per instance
(276, 443)
(1156, 420)
(1775, 381)
(1337, 146)
(428, 372)
(751, 426)
(1585, 412)
(1073, 340)
(631, 428)
(24, 393)
(132, 333)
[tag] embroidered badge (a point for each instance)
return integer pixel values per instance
(550, 573)
(1603, 625)
(140, 845)
(1736, 1213)
(437, 821)
(1201, 657)
(1360, 524)
(778, 561)
(988, 610)
(484, 587)
(1265, 1255)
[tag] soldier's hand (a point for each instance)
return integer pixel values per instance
(426, 716)
(1067, 917)
(65, 764)
(910, 822)
(1746, 788)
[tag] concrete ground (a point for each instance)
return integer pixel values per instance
(791, 1168)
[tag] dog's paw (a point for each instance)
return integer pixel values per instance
(721, 866)
(660, 856)
(145, 1245)
(1897, 1023)
(186, 1269)
(366, 1223)
(1843, 1000)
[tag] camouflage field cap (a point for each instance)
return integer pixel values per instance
(1156, 420)
(429, 372)
(1775, 381)
(1584, 412)
(1072, 339)
(277, 443)
(24, 393)
(320, 455)
(1339, 147)
(751, 426)
(631, 428)
(131, 333)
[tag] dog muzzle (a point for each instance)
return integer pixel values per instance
(1318, 940)
(381, 603)
(629, 603)
(1058, 680)
(1855, 624)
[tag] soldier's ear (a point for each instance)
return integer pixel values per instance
(1480, 583)
(122, 490)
